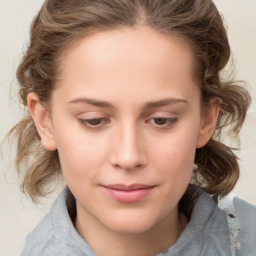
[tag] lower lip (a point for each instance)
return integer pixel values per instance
(128, 196)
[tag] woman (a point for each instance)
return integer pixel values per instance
(125, 101)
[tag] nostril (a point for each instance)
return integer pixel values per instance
(128, 164)
(130, 168)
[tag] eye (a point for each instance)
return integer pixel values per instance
(163, 122)
(94, 123)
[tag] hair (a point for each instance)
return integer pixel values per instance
(60, 23)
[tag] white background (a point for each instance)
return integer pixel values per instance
(18, 215)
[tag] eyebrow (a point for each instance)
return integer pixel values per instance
(93, 102)
(164, 102)
(148, 105)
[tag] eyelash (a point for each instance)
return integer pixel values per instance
(168, 123)
(86, 123)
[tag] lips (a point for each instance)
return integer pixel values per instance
(128, 193)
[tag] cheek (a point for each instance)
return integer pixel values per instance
(176, 152)
(80, 155)
(174, 160)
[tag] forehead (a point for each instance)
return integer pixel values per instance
(127, 59)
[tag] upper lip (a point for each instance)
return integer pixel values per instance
(128, 187)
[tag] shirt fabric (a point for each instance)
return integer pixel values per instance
(227, 229)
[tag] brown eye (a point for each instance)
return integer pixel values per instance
(95, 121)
(160, 121)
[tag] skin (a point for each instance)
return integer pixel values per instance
(128, 69)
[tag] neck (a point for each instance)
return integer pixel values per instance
(104, 241)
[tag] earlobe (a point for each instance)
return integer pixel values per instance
(42, 120)
(209, 121)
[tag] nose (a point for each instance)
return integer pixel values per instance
(129, 152)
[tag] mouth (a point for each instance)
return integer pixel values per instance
(128, 193)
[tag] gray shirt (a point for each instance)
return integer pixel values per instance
(212, 231)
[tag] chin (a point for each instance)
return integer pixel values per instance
(131, 228)
(131, 224)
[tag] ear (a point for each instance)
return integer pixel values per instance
(42, 120)
(208, 122)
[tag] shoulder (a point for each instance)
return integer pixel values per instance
(246, 214)
(55, 235)
(42, 240)
(242, 224)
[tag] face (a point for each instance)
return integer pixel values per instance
(126, 121)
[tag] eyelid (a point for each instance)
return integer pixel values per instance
(161, 114)
(91, 115)
(85, 123)
(170, 119)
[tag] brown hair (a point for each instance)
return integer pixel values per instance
(61, 22)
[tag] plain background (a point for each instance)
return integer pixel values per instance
(18, 215)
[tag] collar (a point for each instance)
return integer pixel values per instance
(207, 232)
